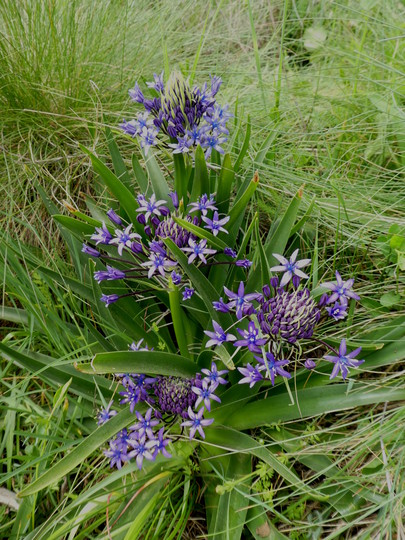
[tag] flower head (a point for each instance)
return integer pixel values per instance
(251, 375)
(105, 414)
(215, 224)
(241, 301)
(251, 338)
(198, 250)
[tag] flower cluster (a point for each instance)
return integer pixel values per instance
(173, 403)
(144, 255)
(281, 315)
(178, 116)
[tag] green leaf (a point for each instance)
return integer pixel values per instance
(240, 205)
(124, 196)
(245, 146)
(140, 175)
(153, 362)
(226, 179)
(232, 505)
(178, 317)
(158, 181)
(310, 402)
(88, 445)
(235, 441)
(118, 163)
(201, 182)
(57, 373)
(390, 299)
(75, 226)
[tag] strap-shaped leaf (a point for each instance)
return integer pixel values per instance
(158, 181)
(124, 196)
(232, 506)
(236, 441)
(239, 207)
(225, 181)
(153, 362)
(201, 182)
(79, 454)
(118, 163)
(310, 402)
(245, 146)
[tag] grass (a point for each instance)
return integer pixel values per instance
(325, 82)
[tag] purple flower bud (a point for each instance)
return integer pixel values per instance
(164, 211)
(266, 291)
(114, 217)
(309, 363)
(147, 230)
(230, 252)
(90, 251)
(323, 300)
(155, 220)
(175, 199)
(172, 132)
(136, 247)
(296, 281)
(244, 263)
(274, 282)
(141, 219)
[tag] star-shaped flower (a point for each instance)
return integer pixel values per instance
(344, 360)
(215, 224)
(196, 422)
(219, 336)
(241, 301)
(341, 290)
(198, 250)
(272, 367)
(290, 267)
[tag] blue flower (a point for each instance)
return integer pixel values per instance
(205, 394)
(272, 367)
(344, 360)
(158, 263)
(160, 444)
(251, 375)
(145, 424)
(244, 263)
(215, 224)
(182, 146)
(309, 363)
(136, 94)
(151, 207)
(138, 346)
(142, 449)
(117, 455)
(176, 278)
(230, 252)
(338, 311)
(124, 238)
(203, 204)
(102, 235)
(214, 376)
(213, 142)
(341, 290)
(198, 250)
(105, 414)
(251, 338)
(197, 422)
(221, 306)
(219, 336)
(132, 396)
(158, 83)
(110, 274)
(188, 293)
(109, 299)
(148, 138)
(241, 301)
(290, 267)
